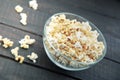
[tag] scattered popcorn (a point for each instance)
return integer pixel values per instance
(15, 51)
(33, 57)
(19, 58)
(24, 43)
(18, 8)
(7, 43)
(73, 39)
(23, 18)
(33, 4)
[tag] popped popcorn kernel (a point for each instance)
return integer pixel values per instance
(26, 41)
(23, 18)
(18, 8)
(19, 58)
(7, 42)
(33, 57)
(33, 4)
(15, 51)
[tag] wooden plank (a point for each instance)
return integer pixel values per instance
(10, 70)
(108, 8)
(105, 70)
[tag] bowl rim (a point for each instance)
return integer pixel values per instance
(70, 68)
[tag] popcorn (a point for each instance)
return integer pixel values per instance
(78, 45)
(7, 42)
(73, 39)
(79, 34)
(33, 4)
(23, 18)
(16, 55)
(18, 8)
(15, 51)
(25, 46)
(33, 57)
(86, 26)
(20, 59)
(24, 43)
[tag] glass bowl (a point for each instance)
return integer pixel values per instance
(65, 62)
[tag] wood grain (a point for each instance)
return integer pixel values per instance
(10, 70)
(107, 8)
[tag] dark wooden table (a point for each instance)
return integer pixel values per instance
(105, 14)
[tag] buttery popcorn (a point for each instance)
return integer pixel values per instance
(7, 42)
(19, 58)
(16, 55)
(73, 39)
(18, 8)
(33, 57)
(23, 20)
(24, 43)
(15, 51)
(33, 4)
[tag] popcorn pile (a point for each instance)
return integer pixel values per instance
(73, 39)
(33, 4)
(24, 43)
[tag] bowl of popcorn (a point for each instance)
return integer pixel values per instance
(72, 42)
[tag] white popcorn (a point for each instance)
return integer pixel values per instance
(86, 26)
(31, 41)
(33, 4)
(18, 8)
(78, 45)
(33, 57)
(17, 57)
(7, 42)
(24, 43)
(15, 51)
(23, 18)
